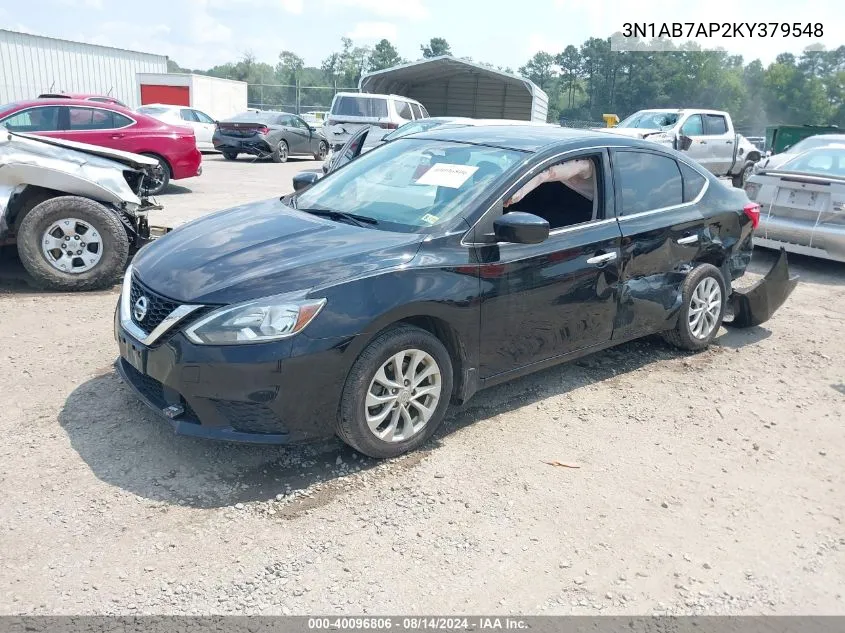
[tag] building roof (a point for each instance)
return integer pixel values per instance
(19, 34)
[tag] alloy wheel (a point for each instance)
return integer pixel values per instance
(403, 395)
(72, 246)
(705, 307)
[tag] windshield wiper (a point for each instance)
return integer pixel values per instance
(353, 218)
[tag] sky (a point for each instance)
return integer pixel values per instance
(203, 33)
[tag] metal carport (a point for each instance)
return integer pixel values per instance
(447, 86)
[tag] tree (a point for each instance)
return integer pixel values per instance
(570, 63)
(384, 55)
(437, 46)
(289, 67)
(540, 69)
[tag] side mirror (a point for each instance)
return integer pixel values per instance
(305, 179)
(521, 228)
(312, 128)
(684, 143)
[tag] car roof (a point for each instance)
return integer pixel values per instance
(64, 101)
(530, 138)
(74, 95)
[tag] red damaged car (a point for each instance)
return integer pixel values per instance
(112, 126)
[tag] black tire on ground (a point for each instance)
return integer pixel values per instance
(115, 244)
(740, 179)
(280, 154)
(682, 336)
(230, 155)
(322, 152)
(163, 165)
(352, 426)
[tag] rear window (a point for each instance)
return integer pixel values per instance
(825, 161)
(260, 117)
(372, 107)
(152, 110)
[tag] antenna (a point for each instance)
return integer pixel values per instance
(51, 85)
(108, 94)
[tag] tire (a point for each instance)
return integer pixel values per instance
(742, 177)
(110, 238)
(352, 426)
(684, 335)
(230, 155)
(155, 188)
(280, 154)
(322, 152)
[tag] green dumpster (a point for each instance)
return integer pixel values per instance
(781, 137)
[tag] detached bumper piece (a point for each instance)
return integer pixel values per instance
(757, 304)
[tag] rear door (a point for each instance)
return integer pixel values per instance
(99, 126)
(663, 232)
(722, 143)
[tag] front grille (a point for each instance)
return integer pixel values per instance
(158, 307)
(250, 417)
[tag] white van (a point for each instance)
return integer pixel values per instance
(351, 111)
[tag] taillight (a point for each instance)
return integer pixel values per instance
(262, 130)
(752, 210)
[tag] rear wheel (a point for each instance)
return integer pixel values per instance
(160, 178)
(396, 394)
(704, 300)
(73, 243)
(280, 154)
(740, 179)
(230, 155)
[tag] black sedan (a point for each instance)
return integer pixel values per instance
(265, 134)
(427, 269)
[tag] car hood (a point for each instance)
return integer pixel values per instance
(633, 132)
(264, 248)
(135, 161)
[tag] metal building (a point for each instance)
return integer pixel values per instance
(447, 86)
(32, 64)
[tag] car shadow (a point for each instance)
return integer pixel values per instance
(734, 338)
(128, 446)
(172, 189)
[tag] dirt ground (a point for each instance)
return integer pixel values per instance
(706, 483)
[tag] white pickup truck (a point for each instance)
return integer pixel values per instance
(708, 137)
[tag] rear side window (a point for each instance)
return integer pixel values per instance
(403, 109)
(188, 115)
(693, 182)
(417, 112)
(202, 117)
(96, 119)
(716, 124)
(360, 106)
(424, 111)
(648, 181)
(44, 119)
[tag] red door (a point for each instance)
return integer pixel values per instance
(173, 95)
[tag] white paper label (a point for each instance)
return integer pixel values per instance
(447, 175)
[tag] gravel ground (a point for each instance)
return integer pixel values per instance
(705, 483)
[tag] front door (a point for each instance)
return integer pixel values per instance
(545, 300)
(700, 149)
(300, 133)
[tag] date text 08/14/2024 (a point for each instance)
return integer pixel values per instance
(723, 29)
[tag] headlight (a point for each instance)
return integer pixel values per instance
(260, 321)
(752, 189)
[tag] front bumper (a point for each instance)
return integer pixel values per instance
(271, 393)
(757, 304)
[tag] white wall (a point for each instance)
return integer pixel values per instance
(31, 64)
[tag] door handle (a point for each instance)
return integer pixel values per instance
(689, 239)
(704, 142)
(729, 142)
(117, 135)
(602, 259)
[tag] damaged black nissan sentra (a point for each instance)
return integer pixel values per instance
(425, 270)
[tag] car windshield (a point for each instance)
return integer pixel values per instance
(824, 161)
(411, 184)
(260, 117)
(650, 120)
(813, 142)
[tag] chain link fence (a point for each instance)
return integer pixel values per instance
(293, 98)
(581, 125)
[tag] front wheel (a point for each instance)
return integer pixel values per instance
(230, 155)
(160, 178)
(396, 393)
(280, 154)
(704, 299)
(322, 151)
(73, 243)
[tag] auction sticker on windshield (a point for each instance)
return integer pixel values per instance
(447, 175)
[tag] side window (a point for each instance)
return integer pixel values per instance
(44, 119)
(188, 115)
(647, 181)
(202, 117)
(424, 111)
(693, 182)
(417, 112)
(693, 126)
(378, 108)
(403, 109)
(297, 122)
(716, 124)
(91, 119)
(564, 194)
(284, 120)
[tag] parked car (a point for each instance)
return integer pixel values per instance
(107, 125)
(438, 265)
(202, 124)
(351, 111)
(315, 117)
(75, 212)
(370, 137)
(83, 96)
(707, 136)
(268, 134)
(804, 202)
(811, 142)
